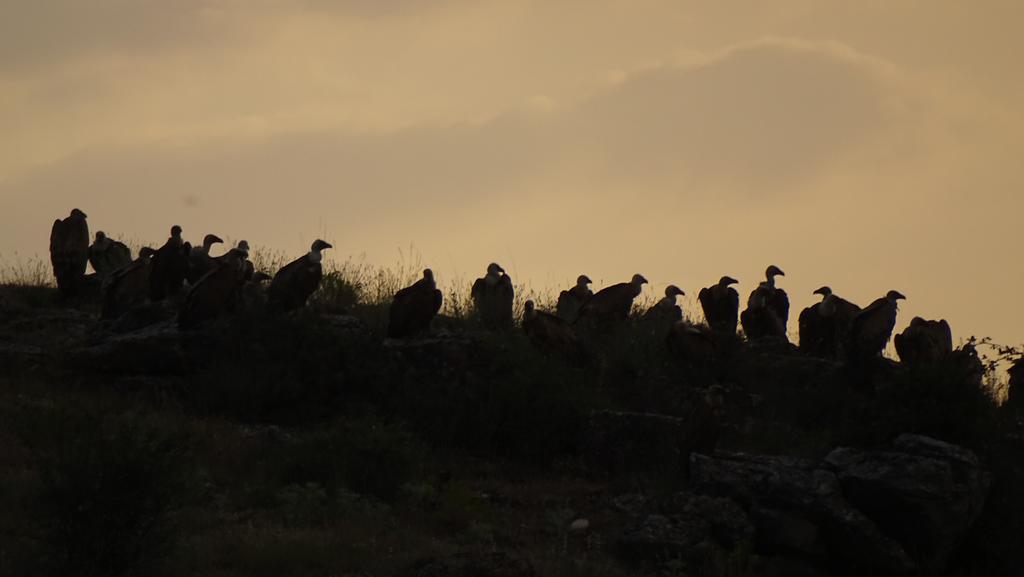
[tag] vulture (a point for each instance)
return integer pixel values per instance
(128, 286)
(550, 332)
(298, 280)
(492, 296)
(107, 255)
(414, 307)
(254, 291)
(767, 308)
(170, 267)
(873, 326)
(214, 292)
(825, 326)
(69, 252)
(721, 304)
(570, 301)
(199, 260)
(613, 303)
(666, 309)
(924, 342)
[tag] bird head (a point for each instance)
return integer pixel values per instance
(773, 271)
(77, 213)
(210, 240)
(101, 236)
(727, 280)
(319, 245)
(638, 279)
(583, 280)
(146, 252)
(672, 291)
(894, 296)
(243, 245)
(176, 231)
(823, 291)
(494, 269)
(428, 274)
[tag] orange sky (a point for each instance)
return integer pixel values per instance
(865, 145)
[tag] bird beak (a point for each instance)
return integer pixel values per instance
(217, 239)
(328, 245)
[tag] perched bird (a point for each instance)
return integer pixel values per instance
(170, 267)
(128, 286)
(213, 294)
(825, 325)
(721, 304)
(551, 333)
(612, 304)
(493, 296)
(570, 301)
(250, 269)
(872, 327)
(107, 255)
(413, 307)
(767, 308)
(199, 260)
(924, 342)
(298, 280)
(254, 290)
(666, 308)
(69, 252)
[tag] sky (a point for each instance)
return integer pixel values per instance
(867, 146)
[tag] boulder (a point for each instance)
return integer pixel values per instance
(799, 508)
(923, 492)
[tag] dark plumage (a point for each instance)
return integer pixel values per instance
(170, 267)
(199, 260)
(552, 334)
(414, 307)
(825, 326)
(69, 252)
(612, 304)
(666, 308)
(767, 308)
(872, 327)
(924, 342)
(128, 286)
(493, 296)
(107, 255)
(570, 301)
(209, 297)
(692, 344)
(297, 281)
(721, 304)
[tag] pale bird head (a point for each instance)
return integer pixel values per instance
(583, 280)
(672, 291)
(528, 307)
(773, 271)
(894, 296)
(428, 274)
(101, 236)
(727, 280)
(494, 269)
(78, 213)
(211, 239)
(823, 291)
(319, 245)
(638, 279)
(176, 231)
(243, 245)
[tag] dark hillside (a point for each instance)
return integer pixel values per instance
(308, 444)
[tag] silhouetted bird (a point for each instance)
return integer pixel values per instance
(69, 252)
(825, 326)
(872, 327)
(692, 344)
(128, 286)
(212, 295)
(492, 297)
(666, 308)
(170, 267)
(107, 255)
(552, 334)
(924, 342)
(721, 305)
(570, 301)
(297, 281)
(199, 260)
(612, 304)
(413, 307)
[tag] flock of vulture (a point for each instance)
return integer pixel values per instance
(208, 286)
